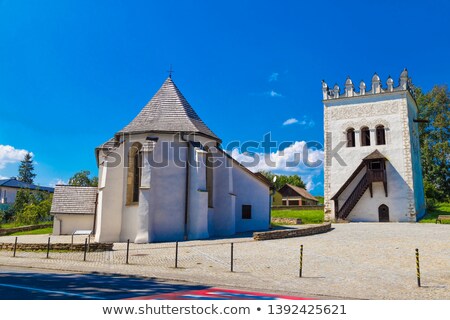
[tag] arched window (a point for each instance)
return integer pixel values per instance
(365, 136)
(134, 173)
(350, 137)
(381, 134)
(210, 178)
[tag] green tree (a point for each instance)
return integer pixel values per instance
(435, 141)
(23, 198)
(35, 212)
(26, 169)
(281, 180)
(81, 179)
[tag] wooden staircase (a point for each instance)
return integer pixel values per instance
(357, 193)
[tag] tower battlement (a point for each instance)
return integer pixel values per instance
(405, 83)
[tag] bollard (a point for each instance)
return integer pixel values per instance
(232, 260)
(15, 247)
(301, 262)
(176, 255)
(417, 267)
(128, 249)
(48, 247)
(85, 249)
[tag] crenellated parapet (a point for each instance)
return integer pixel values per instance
(405, 83)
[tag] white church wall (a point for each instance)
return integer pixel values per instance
(222, 215)
(109, 207)
(198, 196)
(167, 191)
(250, 191)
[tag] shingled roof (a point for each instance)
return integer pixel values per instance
(300, 191)
(14, 183)
(168, 111)
(74, 200)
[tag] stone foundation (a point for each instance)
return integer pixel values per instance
(56, 247)
(291, 233)
(287, 220)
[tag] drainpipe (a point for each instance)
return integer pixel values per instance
(186, 205)
(272, 193)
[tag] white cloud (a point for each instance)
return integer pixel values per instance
(274, 77)
(305, 122)
(9, 154)
(288, 161)
(290, 121)
(274, 94)
(291, 159)
(3, 177)
(56, 181)
(309, 182)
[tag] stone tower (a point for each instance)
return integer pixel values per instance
(372, 155)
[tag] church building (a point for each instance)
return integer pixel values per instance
(164, 177)
(372, 166)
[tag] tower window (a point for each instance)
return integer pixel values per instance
(381, 135)
(246, 211)
(365, 136)
(134, 173)
(350, 137)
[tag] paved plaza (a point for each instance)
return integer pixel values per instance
(352, 261)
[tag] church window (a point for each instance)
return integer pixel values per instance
(246, 211)
(134, 173)
(365, 136)
(381, 135)
(210, 179)
(350, 137)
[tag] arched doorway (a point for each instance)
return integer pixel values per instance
(383, 213)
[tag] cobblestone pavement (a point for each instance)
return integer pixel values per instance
(355, 260)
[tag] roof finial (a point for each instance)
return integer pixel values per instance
(170, 71)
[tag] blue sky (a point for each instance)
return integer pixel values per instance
(72, 73)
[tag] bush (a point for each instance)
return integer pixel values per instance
(35, 213)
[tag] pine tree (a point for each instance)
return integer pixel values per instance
(26, 169)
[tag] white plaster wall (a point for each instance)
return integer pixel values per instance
(419, 194)
(198, 196)
(110, 201)
(223, 221)
(69, 223)
(10, 194)
(250, 190)
(368, 111)
(366, 210)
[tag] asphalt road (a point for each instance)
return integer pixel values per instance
(35, 284)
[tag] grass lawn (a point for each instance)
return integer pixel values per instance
(441, 209)
(10, 225)
(37, 231)
(307, 216)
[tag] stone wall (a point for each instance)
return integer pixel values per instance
(286, 220)
(4, 232)
(318, 207)
(56, 247)
(292, 233)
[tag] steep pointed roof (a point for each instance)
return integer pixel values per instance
(168, 111)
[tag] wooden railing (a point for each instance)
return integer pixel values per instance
(376, 175)
(357, 193)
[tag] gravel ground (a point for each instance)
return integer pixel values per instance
(353, 261)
